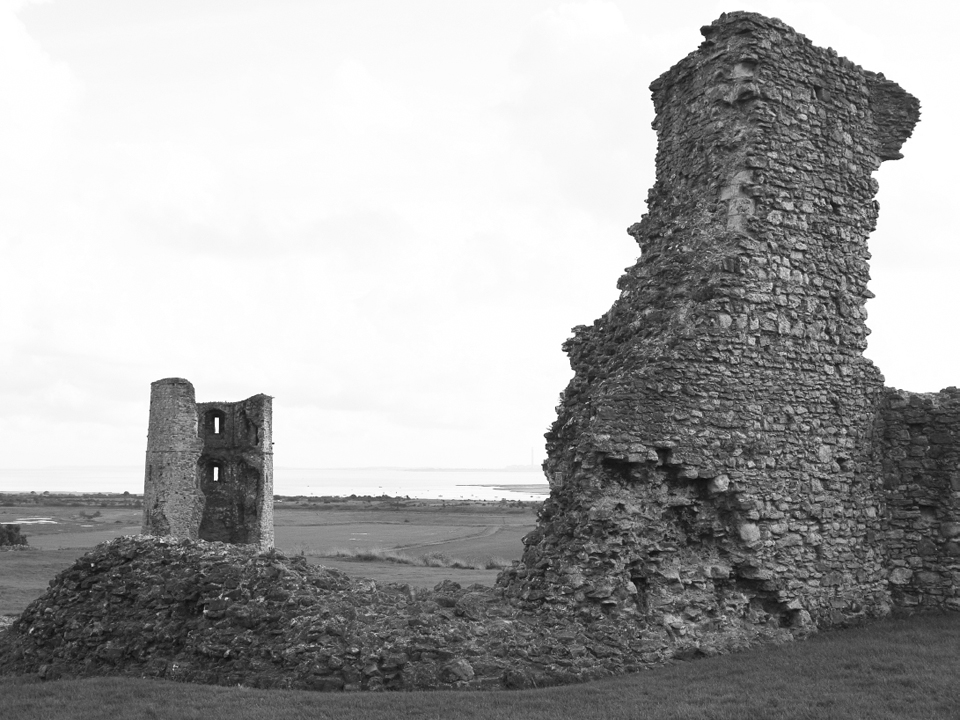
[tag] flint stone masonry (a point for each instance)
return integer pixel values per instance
(726, 467)
(921, 475)
(209, 468)
(725, 457)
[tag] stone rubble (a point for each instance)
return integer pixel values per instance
(227, 614)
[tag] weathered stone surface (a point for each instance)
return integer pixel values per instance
(920, 445)
(172, 501)
(900, 576)
(209, 468)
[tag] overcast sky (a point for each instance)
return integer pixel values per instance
(388, 215)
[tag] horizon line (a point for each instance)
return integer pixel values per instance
(422, 468)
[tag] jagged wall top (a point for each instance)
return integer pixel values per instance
(757, 224)
(715, 456)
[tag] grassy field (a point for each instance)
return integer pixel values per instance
(895, 670)
(24, 575)
(335, 534)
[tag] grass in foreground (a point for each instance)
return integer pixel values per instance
(432, 559)
(895, 670)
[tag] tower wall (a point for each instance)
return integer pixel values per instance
(209, 470)
(921, 477)
(172, 501)
(236, 471)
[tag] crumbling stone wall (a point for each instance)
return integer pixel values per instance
(209, 469)
(236, 473)
(921, 474)
(716, 464)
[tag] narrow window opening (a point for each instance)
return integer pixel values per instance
(216, 473)
(214, 423)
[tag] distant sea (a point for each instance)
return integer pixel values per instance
(522, 483)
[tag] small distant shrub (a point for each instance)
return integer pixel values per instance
(438, 559)
(11, 535)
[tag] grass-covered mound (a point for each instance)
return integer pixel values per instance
(227, 614)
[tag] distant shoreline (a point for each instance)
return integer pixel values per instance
(514, 481)
(35, 498)
(508, 468)
(117, 468)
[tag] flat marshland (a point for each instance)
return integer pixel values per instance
(434, 540)
(903, 668)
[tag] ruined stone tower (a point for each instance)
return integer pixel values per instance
(209, 469)
(723, 459)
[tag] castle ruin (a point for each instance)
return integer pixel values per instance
(726, 467)
(725, 456)
(209, 469)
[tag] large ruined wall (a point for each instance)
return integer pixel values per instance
(209, 467)
(715, 466)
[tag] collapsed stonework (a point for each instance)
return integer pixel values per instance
(209, 468)
(218, 613)
(724, 455)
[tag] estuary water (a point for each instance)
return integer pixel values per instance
(416, 483)
(448, 484)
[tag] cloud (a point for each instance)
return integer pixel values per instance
(595, 26)
(579, 90)
(36, 104)
(38, 101)
(363, 103)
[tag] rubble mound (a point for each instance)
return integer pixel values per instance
(217, 613)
